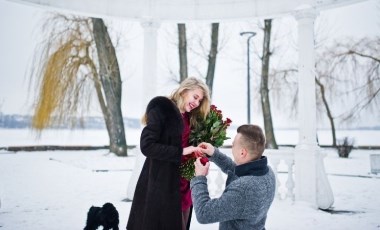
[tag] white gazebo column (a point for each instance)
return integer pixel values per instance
(312, 186)
(149, 91)
(150, 60)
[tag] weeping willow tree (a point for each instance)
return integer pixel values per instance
(77, 59)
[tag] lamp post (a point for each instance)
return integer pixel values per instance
(250, 35)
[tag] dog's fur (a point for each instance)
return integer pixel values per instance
(106, 216)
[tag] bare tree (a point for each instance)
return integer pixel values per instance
(182, 50)
(67, 72)
(111, 81)
(350, 71)
(328, 110)
(348, 80)
(358, 64)
(264, 90)
(212, 56)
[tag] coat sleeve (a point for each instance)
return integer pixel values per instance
(229, 206)
(222, 161)
(150, 144)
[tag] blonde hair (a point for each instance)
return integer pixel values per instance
(190, 83)
(193, 83)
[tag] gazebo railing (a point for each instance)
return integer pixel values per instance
(282, 163)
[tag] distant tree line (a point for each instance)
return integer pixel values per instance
(16, 121)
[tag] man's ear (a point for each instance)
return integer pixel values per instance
(243, 153)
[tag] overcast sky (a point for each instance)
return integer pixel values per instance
(20, 29)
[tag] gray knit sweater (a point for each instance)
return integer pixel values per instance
(245, 202)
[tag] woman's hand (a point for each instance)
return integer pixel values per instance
(207, 148)
(191, 149)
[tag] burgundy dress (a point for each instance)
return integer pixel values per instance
(185, 184)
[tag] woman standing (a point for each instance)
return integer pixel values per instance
(162, 199)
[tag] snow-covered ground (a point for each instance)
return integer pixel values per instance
(55, 189)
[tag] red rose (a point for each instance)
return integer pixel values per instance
(204, 160)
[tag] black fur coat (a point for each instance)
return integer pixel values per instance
(157, 202)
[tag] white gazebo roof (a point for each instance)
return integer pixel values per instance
(186, 10)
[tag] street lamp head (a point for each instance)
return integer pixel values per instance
(248, 33)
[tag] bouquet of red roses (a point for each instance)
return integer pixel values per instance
(212, 130)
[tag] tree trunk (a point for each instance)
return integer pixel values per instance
(111, 81)
(264, 91)
(182, 50)
(212, 56)
(329, 115)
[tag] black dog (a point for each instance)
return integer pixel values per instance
(106, 216)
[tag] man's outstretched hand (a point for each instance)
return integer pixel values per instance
(200, 168)
(207, 148)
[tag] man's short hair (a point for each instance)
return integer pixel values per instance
(253, 139)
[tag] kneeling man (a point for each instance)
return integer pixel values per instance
(250, 185)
